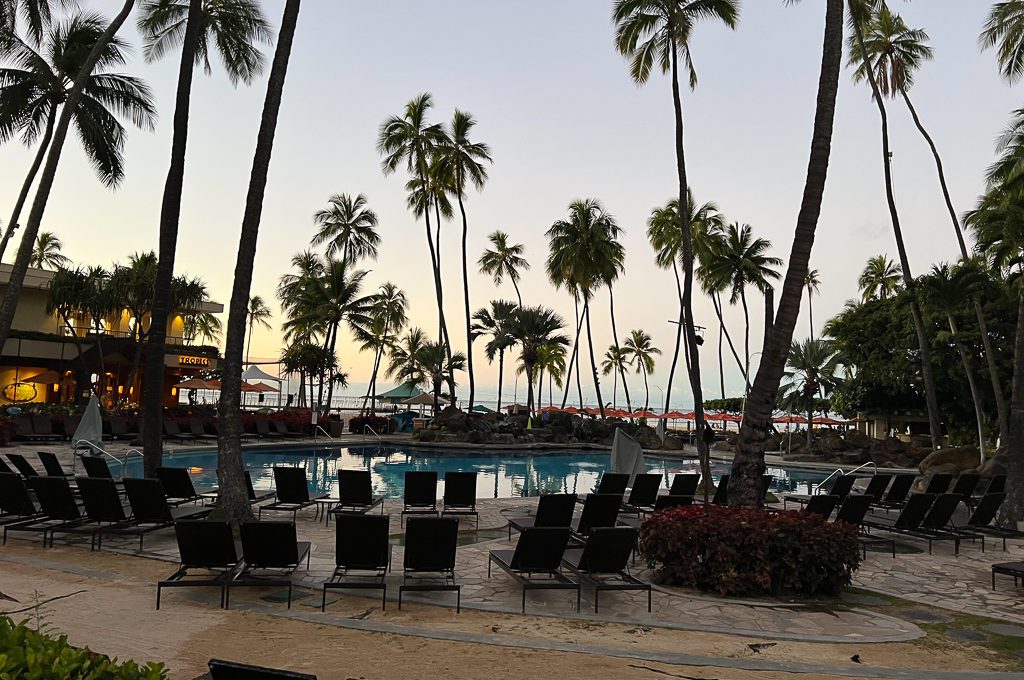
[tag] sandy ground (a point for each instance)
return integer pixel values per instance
(117, 617)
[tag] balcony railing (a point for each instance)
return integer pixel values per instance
(91, 332)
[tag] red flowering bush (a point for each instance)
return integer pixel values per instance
(736, 551)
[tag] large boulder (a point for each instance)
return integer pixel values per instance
(954, 460)
(992, 467)
(673, 443)
(857, 439)
(451, 419)
(647, 437)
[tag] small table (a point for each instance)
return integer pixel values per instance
(1014, 569)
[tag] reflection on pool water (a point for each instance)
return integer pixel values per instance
(501, 474)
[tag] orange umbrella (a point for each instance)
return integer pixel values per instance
(198, 384)
(259, 387)
(616, 413)
(644, 414)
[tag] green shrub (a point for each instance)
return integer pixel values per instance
(25, 653)
(735, 551)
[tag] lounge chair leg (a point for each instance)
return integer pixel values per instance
(158, 591)
(649, 600)
(399, 599)
(597, 599)
(458, 601)
(323, 602)
(289, 596)
(523, 610)
(993, 582)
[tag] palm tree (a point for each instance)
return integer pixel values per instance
(495, 323)
(737, 261)
(67, 299)
(37, 14)
(411, 140)
(759, 405)
(47, 252)
(462, 160)
(257, 314)
(649, 31)
(233, 498)
(503, 260)
(614, 364)
(948, 289)
(386, 318)
(550, 361)
(583, 254)
(36, 88)
(865, 69)
(881, 278)
(348, 228)
(1004, 30)
(404, 358)
(438, 365)
(203, 326)
(533, 329)
(641, 352)
(232, 28)
(814, 368)
(812, 282)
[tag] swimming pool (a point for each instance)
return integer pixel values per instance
(501, 474)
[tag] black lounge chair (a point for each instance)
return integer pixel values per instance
(281, 428)
(671, 501)
(42, 428)
(173, 431)
(51, 464)
(997, 484)
(272, 552)
(938, 524)
(966, 484)
(150, 509)
(939, 484)
(6, 469)
(604, 562)
(420, 494)
(899, 491)
(877, 484)
(910, 517)
(178, 487)
(721, 496)
(459, 496)
(430, 547)
(254, 496)
(95, 466)
(685, 484)
(196, 429)
(841, 486)
(292, 492)
(23, 466)
(229, 670)
(613, 482)
(208, 547)
(553, 510)
(60, 511)
(119, 429)
(103, 507)
(852, 510)
(242, 436)
(264, 431)
(362, 555)
(355, 493)
(538, 551)
(600, 510)
(644, 493)
(16, 504)
(985, 513)
(822, 504)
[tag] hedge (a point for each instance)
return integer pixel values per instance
(26, 653)
(736, 551)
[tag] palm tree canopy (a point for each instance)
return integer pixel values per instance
(948, 287)
(431, 191)
(325, 298)
(533, 328)
(812, 281)
(706, 225)
(813, 367)
(615, 359)
(647, 31)
(459, 157)
(894, 52)
(583, 250)
(234, 27)
(881, 278)
(36, 14)
(494, 322)
(503, 259)
(259, 312)
(348, 228)
(37, 82)
(46, 252)
(404, 359)
(998, 227)
(739, 260)
(641, 351)
(1004, 30)
(409, 138)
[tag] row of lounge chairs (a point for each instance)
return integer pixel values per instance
(262, 428)
(891, 492)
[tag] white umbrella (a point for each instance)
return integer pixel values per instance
(91, 428)
(627, 455)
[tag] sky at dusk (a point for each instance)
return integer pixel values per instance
(564, 120)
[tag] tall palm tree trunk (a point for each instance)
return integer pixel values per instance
(615, 389)
(647, 389)
(690, 333)
(679, 339)
(615, 339)
(924, 346)
(573, 358)
(435, 259)
(529, 389)
(519, 297)
(593, 359)
(972, 383)
(469, 313)
(719, 313)
(721, 356)
(44, 145)
(748, 463)
(810, 314)
(248, 341)
(1012, 509)
(170, 214)
(746, 341)
(501, 374)
(233, 498)
(49, 174)
(1002, 411)
(332, 373)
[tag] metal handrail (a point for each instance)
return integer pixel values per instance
(374, 432)
(821, 484)
(872, 463)
(326, 433)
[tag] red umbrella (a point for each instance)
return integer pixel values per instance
(715, 417)
(569, 409)
(824, 420)
(644, 414)
(791, 419)
(616, 413)
(549, 409)
(677, 415)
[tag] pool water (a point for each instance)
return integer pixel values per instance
(499, 474)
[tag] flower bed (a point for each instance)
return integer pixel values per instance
(736, 551)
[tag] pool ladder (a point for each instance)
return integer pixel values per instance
(839, 472)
